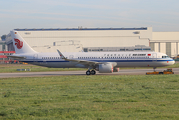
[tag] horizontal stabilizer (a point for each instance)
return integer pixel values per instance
(16, 57)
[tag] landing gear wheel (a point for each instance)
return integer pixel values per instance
(154, 68)
(93, 72)
(88, 72)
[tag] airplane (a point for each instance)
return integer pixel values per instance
(104, 62)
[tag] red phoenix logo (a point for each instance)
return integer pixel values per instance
(18, 43)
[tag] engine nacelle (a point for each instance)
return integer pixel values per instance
(105, 68)
(115, 69)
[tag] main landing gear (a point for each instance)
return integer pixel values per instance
(92, 72)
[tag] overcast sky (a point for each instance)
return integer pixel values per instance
(161, 15)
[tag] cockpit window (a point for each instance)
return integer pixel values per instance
(165, 57)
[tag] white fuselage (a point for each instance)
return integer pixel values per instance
(118, 59)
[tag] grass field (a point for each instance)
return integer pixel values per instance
(90, 97)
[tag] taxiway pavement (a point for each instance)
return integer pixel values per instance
(61, 73)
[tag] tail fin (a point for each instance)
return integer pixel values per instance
(20, 44)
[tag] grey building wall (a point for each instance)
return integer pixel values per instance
(165, 42)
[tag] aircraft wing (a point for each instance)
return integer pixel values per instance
(16, 57)
(79, 61)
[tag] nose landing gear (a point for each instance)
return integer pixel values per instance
(154, 68)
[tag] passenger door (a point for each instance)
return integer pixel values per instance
(35, 57)
(154, 57)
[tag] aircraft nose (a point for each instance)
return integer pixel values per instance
(172, 62)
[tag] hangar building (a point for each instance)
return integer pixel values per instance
(70, 40)
(165, 42)
(99, 39)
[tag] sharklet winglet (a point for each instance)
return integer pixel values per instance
(61, 55)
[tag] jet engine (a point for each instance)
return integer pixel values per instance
(105, 68)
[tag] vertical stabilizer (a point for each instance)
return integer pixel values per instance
(20, 45)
